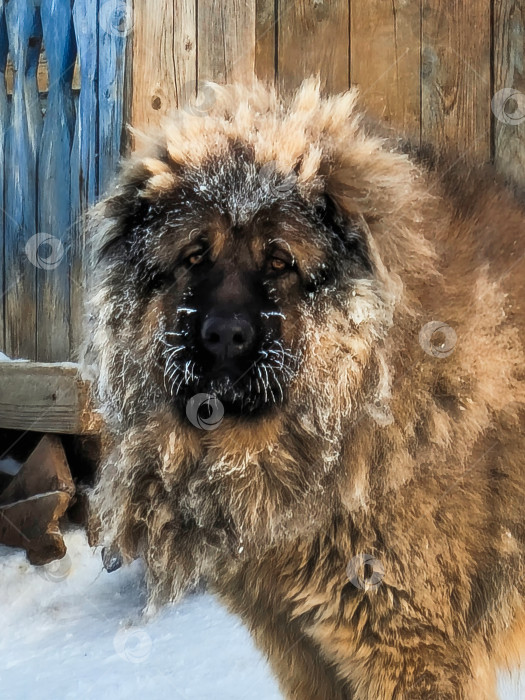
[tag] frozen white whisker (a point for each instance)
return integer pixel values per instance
(279, 356)
(263, 383)
(276, 380)
(267, 381)
(171, 350)
(179, 384)
(186, 310)
(173, 371)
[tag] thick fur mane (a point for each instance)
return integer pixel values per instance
(377, 427)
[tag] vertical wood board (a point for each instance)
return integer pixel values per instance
(385, 60)
(22, 252)
(313, 38)
(54, 183)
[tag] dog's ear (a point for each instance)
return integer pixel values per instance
(143, 181)
(348, 232)
(110, 223)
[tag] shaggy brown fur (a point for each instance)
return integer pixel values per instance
(388, 442)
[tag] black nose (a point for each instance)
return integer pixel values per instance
(227, 337)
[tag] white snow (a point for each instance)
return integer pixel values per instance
(72, 631)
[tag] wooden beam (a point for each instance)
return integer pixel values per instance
(45, 397)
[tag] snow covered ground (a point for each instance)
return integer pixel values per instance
(73, 632)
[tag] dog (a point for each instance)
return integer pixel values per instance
(307, 338)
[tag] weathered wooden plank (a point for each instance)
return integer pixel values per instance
(45, 397)
(45, 470)
(265, 40)
(54, 182)
(33, 525)
(456, 75)
(226, 35)
(4, 121)
(116, 23)
(164, 71)
(389, 77)
(313, 37)
(508, 102)
(22, 251)
(84, 158)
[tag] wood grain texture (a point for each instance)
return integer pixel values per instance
(313, 37)
(508, 101)
(45, 397)
(42, 74)
(4, 122)
(25, 37)
(456, 75)
(45, 470)
(385, 60)
(164, 70)
(54, 182)
(33, 525)
(84, 157)
(113, 35)
(226, 31)
(265, 40)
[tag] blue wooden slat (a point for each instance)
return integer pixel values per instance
(54, 191)
(84, 157)
(115, 27)
(24, 33)
(4, 121)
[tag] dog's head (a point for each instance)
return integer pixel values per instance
(234, 230)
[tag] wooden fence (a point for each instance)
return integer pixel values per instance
(444, 70)
(61, 100)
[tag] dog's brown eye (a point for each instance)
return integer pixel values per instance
(195, 258)
(279, 265)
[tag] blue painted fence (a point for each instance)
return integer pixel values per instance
(59, 148)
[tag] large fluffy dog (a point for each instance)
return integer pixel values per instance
(357, 314)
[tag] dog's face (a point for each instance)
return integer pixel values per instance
(253, 261)
(228, 271)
